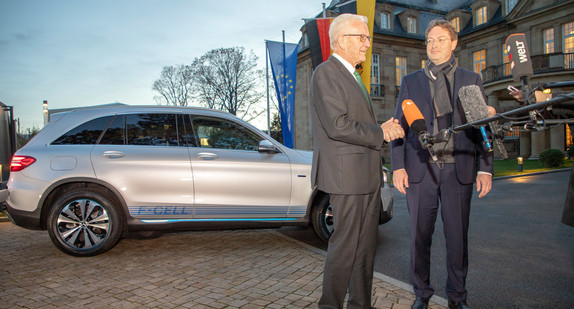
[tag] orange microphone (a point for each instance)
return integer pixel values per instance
(417, 123)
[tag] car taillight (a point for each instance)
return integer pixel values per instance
(20, 162)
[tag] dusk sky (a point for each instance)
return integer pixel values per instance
(82, 53)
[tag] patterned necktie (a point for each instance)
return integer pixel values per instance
(360, 81)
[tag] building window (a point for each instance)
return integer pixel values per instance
(549, 41)
(412, 25)
(509, 5)
(456, 23)
(568, 35)
(385, 20)
(479, 60)
(401, 69)
(423, 63)
(481, 16)
(506, 61)
(375, 76)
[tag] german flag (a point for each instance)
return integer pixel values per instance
(319, 44)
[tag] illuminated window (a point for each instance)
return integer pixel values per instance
(479, 60)
(549, 41)
(456, 23)
(412, 25)
(481, 16)
(568, 35)
(385, 20)
(375, 76)
(568, 135)
(423, 63)
(401, 69)
(506, 61)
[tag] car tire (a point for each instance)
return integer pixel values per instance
(84, 223)
(322, 218)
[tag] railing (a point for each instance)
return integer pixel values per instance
(540, 64)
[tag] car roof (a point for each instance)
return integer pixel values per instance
(66, 120)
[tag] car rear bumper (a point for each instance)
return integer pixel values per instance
(25, 219)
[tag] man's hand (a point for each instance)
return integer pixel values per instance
(401, 180)
(491, 111)
(392, 129)
(483, 184)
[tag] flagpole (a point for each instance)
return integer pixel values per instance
(267, 80)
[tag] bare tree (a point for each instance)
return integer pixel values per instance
(174, 85)
(227, 79)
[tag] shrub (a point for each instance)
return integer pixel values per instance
(570, 151)
(552, 157)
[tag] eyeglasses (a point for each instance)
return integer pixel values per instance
(362, 38)
(439, 41)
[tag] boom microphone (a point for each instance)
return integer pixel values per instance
(519, 57)
(416, 122)
(474, 108)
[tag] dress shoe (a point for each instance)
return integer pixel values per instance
(421, 303)
(457, 304)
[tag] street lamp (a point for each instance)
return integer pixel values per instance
(520, 160)
(45, 110)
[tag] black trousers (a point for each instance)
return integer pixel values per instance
(351, 251)
(423, 204)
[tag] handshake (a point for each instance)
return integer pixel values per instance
(392, 130)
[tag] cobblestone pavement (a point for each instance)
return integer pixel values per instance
(214, 269)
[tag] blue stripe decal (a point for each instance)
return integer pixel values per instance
(214, 220)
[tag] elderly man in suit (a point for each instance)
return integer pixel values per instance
(347, 163)
(434, 90)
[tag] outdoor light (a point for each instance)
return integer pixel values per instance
(45, 110)
(519, 164)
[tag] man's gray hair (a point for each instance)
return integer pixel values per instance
(339, 25)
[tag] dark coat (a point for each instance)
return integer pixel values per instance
(568, 215)
(346, 137)
(408, 153)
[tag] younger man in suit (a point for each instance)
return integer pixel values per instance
(434, 90)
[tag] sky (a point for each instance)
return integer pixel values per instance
(76, 53)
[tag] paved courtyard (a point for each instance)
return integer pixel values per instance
(211, 269)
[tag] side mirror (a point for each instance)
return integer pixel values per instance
(267, 146)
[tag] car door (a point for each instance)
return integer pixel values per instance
(145, 157)
(231, 178)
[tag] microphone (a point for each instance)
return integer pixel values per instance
(519, 57)
(474, 108)
(416, 122)
(520, 64)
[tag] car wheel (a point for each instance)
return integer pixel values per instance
(84, 223)
(322, 218)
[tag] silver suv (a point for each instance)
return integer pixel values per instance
(92, 175)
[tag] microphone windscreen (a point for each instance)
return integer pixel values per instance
(519, 55)
(473, 103)
(419, 126)
(411, 111)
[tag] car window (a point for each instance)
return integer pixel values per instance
(152, 130)
(223, 134)
(84, 134)
(185, 132)
(115, 134)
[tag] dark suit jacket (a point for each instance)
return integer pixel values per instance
(346, 137)
(408, 153)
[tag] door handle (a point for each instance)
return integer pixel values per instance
(206, 156)
(113, 154)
